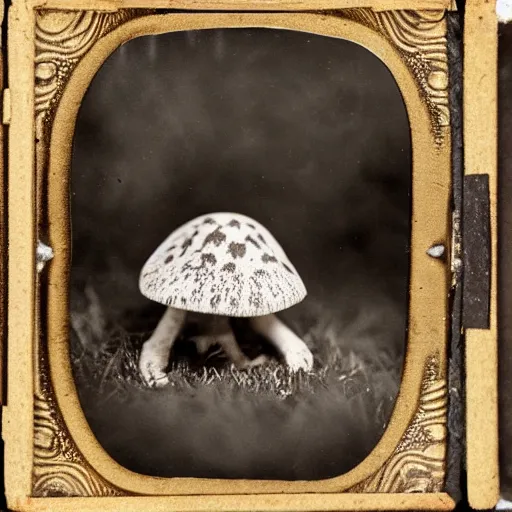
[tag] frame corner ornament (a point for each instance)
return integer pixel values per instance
(419, 461)
(59, 469)
(62, 39)
(420, 39)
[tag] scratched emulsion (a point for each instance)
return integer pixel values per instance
(222, 264)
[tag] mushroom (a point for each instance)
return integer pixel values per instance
(219, 266)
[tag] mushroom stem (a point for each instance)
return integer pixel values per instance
(154, 356)
(293, 349)
(226, 339)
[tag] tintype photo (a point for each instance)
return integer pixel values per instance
(240, 217)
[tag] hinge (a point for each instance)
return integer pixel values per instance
(476, 238)
(6, 107)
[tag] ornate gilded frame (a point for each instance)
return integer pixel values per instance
(52, 459)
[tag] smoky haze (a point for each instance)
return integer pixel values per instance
(308, 135)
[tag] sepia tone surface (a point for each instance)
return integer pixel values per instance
(73, 419)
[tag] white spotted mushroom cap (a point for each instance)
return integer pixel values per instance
(222, 264)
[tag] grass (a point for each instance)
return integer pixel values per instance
(115, 367)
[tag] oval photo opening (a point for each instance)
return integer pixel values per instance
(240, 229)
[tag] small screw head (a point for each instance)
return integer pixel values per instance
(436, 251)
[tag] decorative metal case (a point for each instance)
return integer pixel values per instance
(52, 459)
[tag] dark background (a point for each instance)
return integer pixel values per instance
(308, 135)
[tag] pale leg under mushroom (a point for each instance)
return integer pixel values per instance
(154, 356)
(226, 339)
(294, 351)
